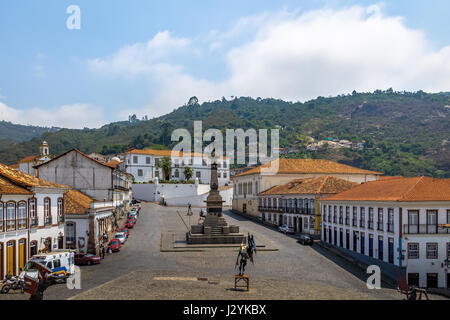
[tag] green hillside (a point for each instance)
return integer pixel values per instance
(404, 133)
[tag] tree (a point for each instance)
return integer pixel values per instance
(188, 173)
(166, 165)
(193, 101)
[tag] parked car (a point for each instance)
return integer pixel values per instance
(305, 239)
(114, 244)
(126, 231)
(286, 229)
(86, 258)
(133, 219)
(121, 236)
(129, 224)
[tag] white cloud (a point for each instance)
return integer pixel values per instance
(293, 56)
(78, 115)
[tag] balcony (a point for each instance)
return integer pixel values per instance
(370, 225)
(424, 229)
(362, 223)
(34, 222)
(10, 224)
(347, 221)
(380, 226)
(48, 221)
(21, 224)
(269, 209)
(354, 222)
(390, 227)
(61, 219)
(341, 220)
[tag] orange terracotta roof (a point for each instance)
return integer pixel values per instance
(25, 180)
(6, 187)
(225, 188)
(14, 166)
(402, 189)
(113, 163)
(76, 202)
(390, 177)
(295, 166)
(166, 153)
(319, 185)
(28, 159)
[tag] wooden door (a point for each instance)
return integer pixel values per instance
(22, 254)
(10, 258)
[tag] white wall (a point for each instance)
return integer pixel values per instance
(154, 192)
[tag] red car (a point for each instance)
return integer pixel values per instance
(125, 230)
(114, 244)
(129, 224)
(86, 258)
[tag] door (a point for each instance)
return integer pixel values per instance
(380, 249)
(371, 246)
(60, 242)
(300, 225)
(295, 225)
(335, 237)
(363, 240)
(33, 248)
(22, 254)
(329, 236)
(448, 280)
(413, 279)
(355, 242)
(341, 239)
(10, 258)
(432, 280)
(391, 251)
(244, 208)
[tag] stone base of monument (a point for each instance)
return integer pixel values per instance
(214, 230)
(214, 238)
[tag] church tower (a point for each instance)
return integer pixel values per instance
(44, 149)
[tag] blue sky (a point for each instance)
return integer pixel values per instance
(149, 57)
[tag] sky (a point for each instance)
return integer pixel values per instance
(149, 57)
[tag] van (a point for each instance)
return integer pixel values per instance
(60, 262)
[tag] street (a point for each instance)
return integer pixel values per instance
(141, 271)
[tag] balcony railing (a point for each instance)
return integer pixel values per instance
(269, 209)
(354, 222)
(60, 219)
(10, 224)
(390, 227)
(48, 221)
(370, 225)
(334, 219)
(347, 221)
(380, 226)
(34, 222)
(21, 224)
(362, 223)
(424, 229)
(341, 220)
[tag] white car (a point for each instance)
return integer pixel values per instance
(121, 236)
(286, 229)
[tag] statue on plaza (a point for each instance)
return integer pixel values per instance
(246, 251)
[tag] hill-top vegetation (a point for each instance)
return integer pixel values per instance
(405, 133)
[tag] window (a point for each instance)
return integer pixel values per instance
(198, 174)
(347, 216)
(56, 263)
(22, 215)
(32, 208)
(177, 173)
(47, 207)
(135, 159)
(370, 218)
(70, 233)
(431, 221)
(10, 216)
(432, 250)
(249, 190)
(380, 219)
(448, 250)
(390, 220)
(225, 175)
(60, 206)
(413, 251)
(147, 160)
(140, 173)
(413, 221)
(219, 175)
(362, 212)
(157, 174)
(355, 216)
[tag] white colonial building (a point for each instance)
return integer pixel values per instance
(296, 203)
(27, 164)
(398, 222)
(31, 218)
(247, 185)
(143, 165)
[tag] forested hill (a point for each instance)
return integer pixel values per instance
(404, 133)
(18, 133)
